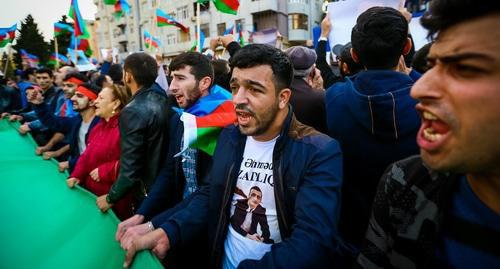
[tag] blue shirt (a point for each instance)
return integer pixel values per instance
(469, 232)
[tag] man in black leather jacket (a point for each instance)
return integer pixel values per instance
(143, 129)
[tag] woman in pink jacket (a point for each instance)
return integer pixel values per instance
(98, 166)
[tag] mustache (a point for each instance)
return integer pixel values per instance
(245, 108)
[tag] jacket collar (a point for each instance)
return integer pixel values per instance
(154, 87)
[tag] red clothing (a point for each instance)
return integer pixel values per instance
(103, 152)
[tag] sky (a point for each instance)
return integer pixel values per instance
(45, 12)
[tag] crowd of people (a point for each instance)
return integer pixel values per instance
(386, 157)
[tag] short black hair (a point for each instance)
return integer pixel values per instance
(115, 72)
(76, 75)
(260, 54)
(346, 57)
(200, 65)
(143, 68)
(222, 73)
(44, 70)
(29, 71)
(379, 37)
(419, 62)
(443, 14)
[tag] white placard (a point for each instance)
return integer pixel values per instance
(343, 15)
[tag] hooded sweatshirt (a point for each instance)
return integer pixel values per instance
(374, 118)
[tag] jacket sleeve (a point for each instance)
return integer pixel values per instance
(314, 238)
(133, 133)
(326, 72)
(376, 244)
(157, 199)
(55, 123)
(108, 172)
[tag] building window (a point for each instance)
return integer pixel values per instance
(221, 28)
(298, 21)
(240, 24)
(171, 39)
(205, 28)
(184, 37)
(204, 7)
(305, 2)
(182, 13)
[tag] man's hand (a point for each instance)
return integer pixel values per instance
(62, 166)
(124, 225)
(94, 174)
(24, 129)
(135, 232)
(49, 154)
(326, 26)
(15, 118)
(72, 181)
(226, 40)
(102, 204)
(41, 150)
(4, 115)
(156, 240)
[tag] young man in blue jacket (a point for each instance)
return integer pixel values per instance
(75, 128)
(442, 209)
(372, 115)
(297, 171)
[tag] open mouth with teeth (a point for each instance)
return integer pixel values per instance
(433, 132)
(243, 117)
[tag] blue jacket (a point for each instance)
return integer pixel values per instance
(307, 180)
(69, 126)
(374, 119)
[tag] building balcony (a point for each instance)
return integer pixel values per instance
(263, 5)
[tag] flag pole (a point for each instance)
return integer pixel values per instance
(9, 52)
(198, 38)
(75, 52)
(57, 52)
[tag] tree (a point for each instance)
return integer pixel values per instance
(63, 40)
(10, 69)
(32, 41)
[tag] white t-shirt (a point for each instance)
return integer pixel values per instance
(84, 128)
(253, 225)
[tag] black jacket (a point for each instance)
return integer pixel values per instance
(144, 142)
(308, 105)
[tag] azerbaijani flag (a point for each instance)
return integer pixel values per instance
(31, 59)
(204, 121)
(202, 41)
(155, 42)
(163, 19)
(147, 39)
(110, 2)
(225, 6)
(7, 35)
(62, 28)
(61, 59)
(121, 7)
(74, 13)
(81, 44)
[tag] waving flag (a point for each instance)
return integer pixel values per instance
(110, 2)
(204, 121)
(58, 58)
(74, 13)
(62, 28)
(163, 19)
(81, 44)
(7, 35)
(225, 6)
(147, 39)
(121, 7)
(155, 42)
(31, 59)
(202, 41)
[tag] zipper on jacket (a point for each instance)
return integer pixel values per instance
(221, 223)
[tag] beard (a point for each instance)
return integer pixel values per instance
(263, 121)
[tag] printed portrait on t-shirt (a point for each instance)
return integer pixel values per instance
(250, 214)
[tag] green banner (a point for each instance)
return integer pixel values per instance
(43, 223)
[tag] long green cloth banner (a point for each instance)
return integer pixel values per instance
(43, 223)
